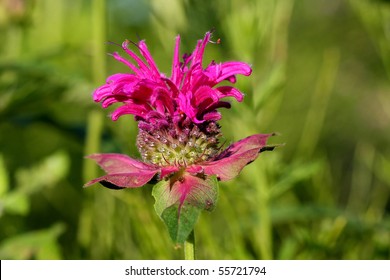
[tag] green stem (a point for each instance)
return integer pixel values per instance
(189, 247)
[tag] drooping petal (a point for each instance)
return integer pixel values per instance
(231, 161)
(102, 92)
(223, 71)
(119, 163)
(205, 96)
(125, 180)
(123, 171)
(228, 91)
(119, 86)
(111, 100)
(139, 110)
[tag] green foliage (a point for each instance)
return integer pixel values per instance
(40, 244)
(320, 78)
(180, 225)
(180, 217)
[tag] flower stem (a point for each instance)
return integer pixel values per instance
(189, 247)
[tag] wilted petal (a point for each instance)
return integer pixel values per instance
(119, 163)
(230, 163)
(125, 180)
(123, 171)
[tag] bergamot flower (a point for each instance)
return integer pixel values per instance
(179, 138)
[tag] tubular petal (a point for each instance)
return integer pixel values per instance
(189, 89)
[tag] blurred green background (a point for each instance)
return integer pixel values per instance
(320, 78)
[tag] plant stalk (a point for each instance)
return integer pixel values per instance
(189, 247)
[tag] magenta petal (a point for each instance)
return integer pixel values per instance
(189, 90)
(199, 50)
(168, 170)
(131, 108)
(212, 116)
(226, 91)
(146, 54)
(143, 68)
(127, 63)
(204, 97)
(231, 161)
(118, 163)
(176, 75)
(102, 92)
(126, 180)
(231, 68)
(223, 71)
(123, 171)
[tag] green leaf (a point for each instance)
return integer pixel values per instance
(180, 224)
(180, 200)
(161, 195)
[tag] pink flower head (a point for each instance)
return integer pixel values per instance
(191, 90)
(178, 135)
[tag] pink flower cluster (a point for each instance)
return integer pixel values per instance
(147, 93)
(177, 118)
